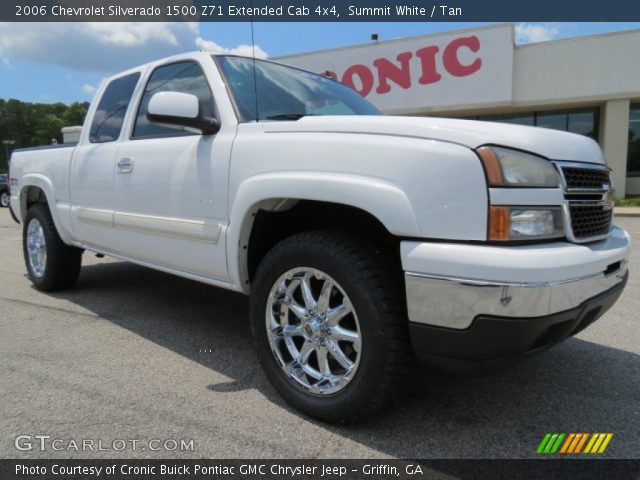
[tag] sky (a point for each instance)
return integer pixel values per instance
(65, 62)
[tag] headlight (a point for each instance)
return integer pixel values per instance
(505, 167)
(525, 223)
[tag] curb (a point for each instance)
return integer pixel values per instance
(626, 212)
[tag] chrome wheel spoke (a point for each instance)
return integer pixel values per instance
(315, 374)
(291, 347)
(325, 296)
(335, 314)
(292, 331)
(306, 350)
(342, 334)
(313, 349)
(337, 353)
(307, 294)
(323, 362)
(298, 310)
(283, 331)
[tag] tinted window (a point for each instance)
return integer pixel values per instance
(284, 91)
(183, 77)
(585, 121)
(556, 121)
(516, 119)
(107, 121)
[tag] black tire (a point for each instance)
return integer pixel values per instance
(62, 265)
(375, 287)
(4, 199)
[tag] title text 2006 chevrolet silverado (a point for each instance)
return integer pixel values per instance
(363, 240)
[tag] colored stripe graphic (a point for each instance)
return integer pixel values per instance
(543, 443)
(576, 440)
(567, 443)
(583, 439)
(598, 442)
(551, 443)
(556, 446)
(572, 443)
(604, 445)
(592, 441)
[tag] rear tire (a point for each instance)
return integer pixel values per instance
(297, 349)
(51, 264)
(4, 199)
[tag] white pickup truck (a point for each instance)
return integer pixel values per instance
(364, 240)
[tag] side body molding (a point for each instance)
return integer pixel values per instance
(184, 229)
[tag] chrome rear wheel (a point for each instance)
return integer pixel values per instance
(36, 247)
(51, 264)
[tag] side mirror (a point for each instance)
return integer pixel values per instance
(181, 109)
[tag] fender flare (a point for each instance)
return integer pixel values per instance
(46, 186)
(383, 200)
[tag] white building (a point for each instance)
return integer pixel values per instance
(588, 85)
(71, 134)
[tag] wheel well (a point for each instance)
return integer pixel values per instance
(29, 196)
(270, 227)
(33, 195)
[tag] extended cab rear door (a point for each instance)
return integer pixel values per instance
(93, 164)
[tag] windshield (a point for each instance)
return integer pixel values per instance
(286, 93)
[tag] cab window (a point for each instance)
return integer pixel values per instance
(107, 121)
(183, 77)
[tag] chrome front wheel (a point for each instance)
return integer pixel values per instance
(328, 323)
(313, 330)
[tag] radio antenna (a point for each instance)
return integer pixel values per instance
(253, 52)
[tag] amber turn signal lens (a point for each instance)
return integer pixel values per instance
(491, 166)
(499, 223)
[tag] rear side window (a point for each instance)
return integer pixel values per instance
(107, 121)
(183, 77)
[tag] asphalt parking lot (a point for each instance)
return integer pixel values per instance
(131, 353)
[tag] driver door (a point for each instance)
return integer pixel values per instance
(170, 183)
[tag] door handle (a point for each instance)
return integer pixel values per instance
(125, 165)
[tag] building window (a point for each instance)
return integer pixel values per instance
(585, 121)
(633, 152)
(554, 120)
(514, 118)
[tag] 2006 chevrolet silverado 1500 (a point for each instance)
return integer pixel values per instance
(363, 240)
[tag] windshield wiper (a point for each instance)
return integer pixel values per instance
(289, 116)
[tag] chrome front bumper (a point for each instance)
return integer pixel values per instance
(454, 301)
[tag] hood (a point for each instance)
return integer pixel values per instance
(553, 144)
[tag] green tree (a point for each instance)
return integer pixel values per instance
(75, 113)
(35, 124)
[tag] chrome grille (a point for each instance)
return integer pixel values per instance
(586, 178)
(588, 208)
(590, 220)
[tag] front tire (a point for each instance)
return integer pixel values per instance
(51, 264)
(4, 199)
(329, 325)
